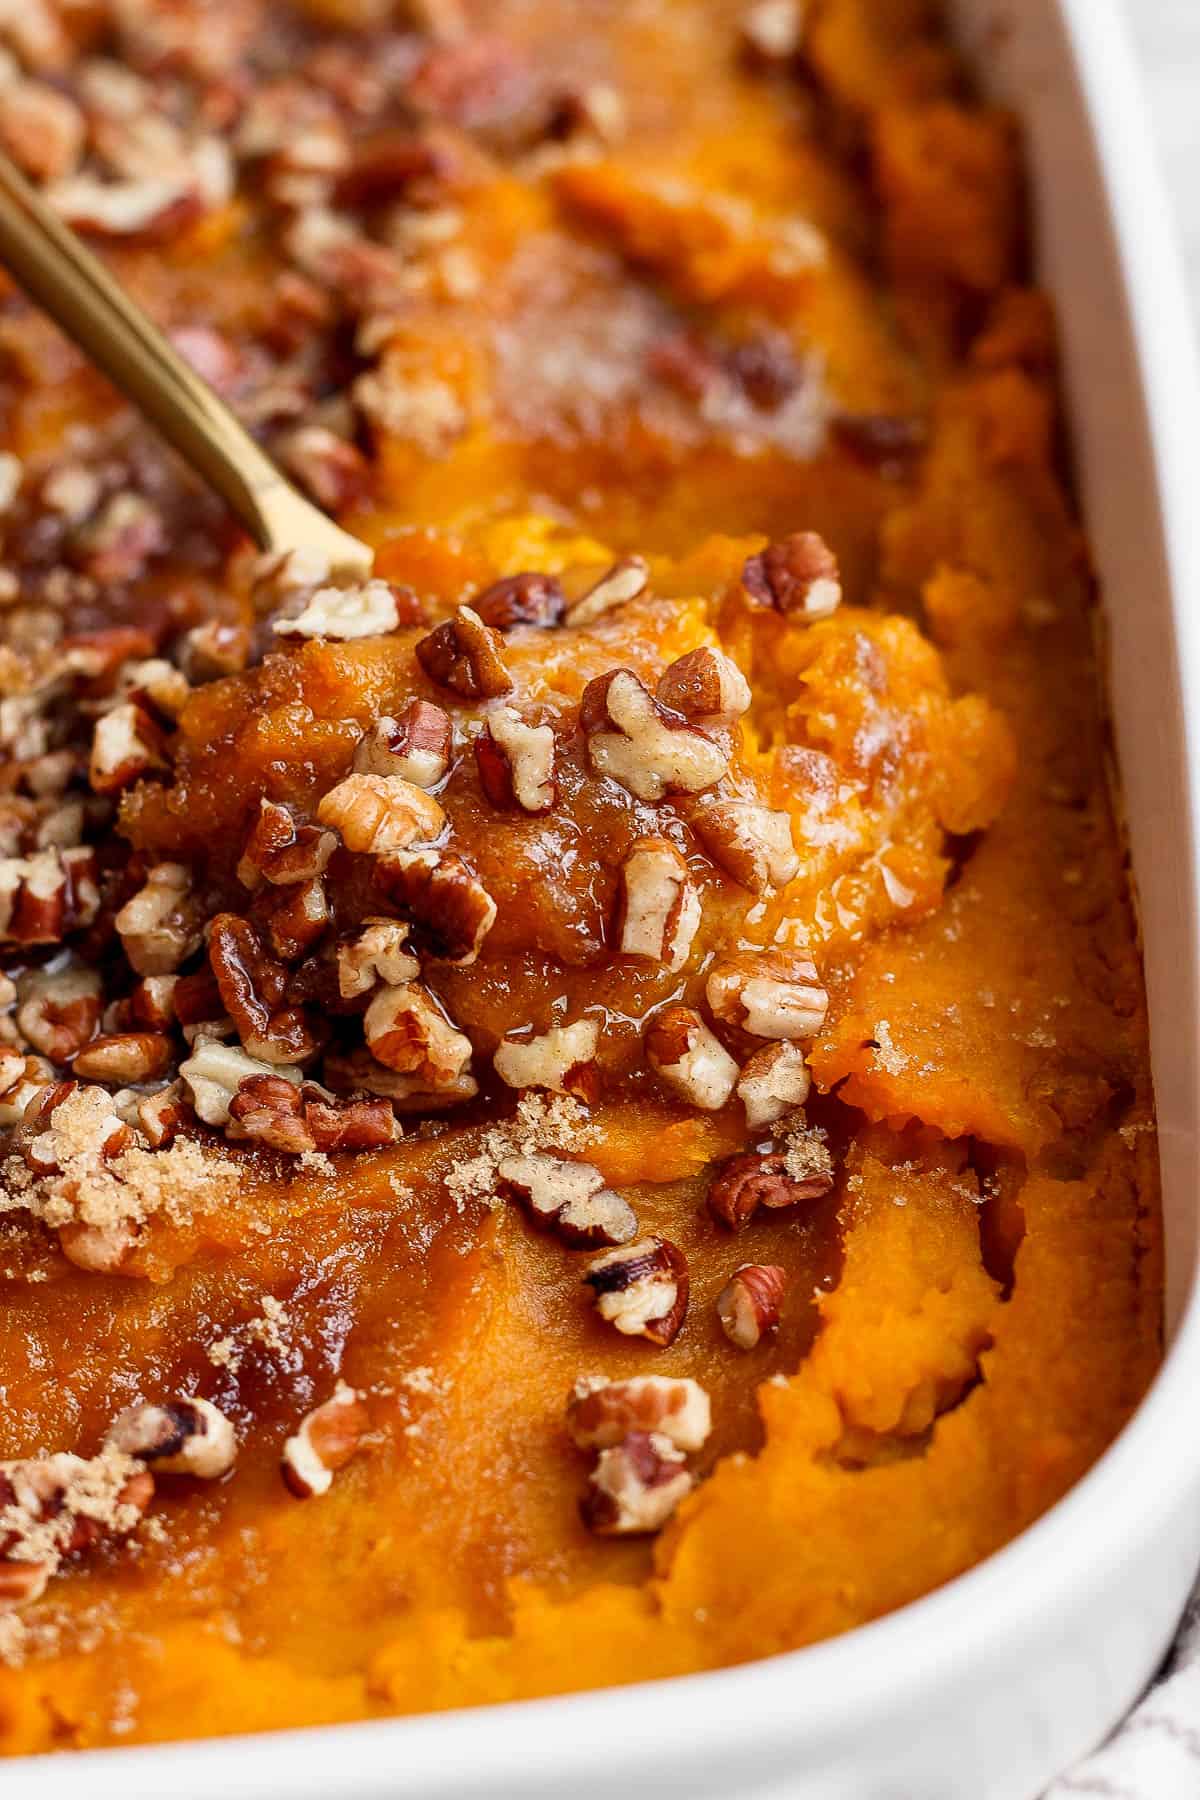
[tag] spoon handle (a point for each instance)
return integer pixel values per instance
(63, 277)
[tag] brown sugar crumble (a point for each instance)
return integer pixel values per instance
(654, 952)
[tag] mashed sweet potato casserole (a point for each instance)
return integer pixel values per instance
(578, 1110)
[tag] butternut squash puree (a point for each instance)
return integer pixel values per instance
(974, 1311)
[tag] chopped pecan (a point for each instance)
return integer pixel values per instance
(214, 649)
(21, 1089)
(187, 1436)
(214, 1072)
(356, 1123)
(293, 918)
(335, 472)
(773, 30)
(126, 745)
(798, 577)
(569, 1196)
(133, 1056)
(660, 908)
(118, 542)
(160, 1115)
(452, 909)
(748, 1305)
(601, 1413)
(748, 841)
(516, 761)
(522, 600)
(367, 610)
(645, 746)
(769, 993)
(635, 1486)
(561, 1059)
(377, 953)
(415, 745)
(59, 1011)
(160, 926)
(252, 985)
(705, 685)
(642, 1289)
(280, 851)
(406, 1031)
(379, 813)
(21, 1583)
(326, 1440)
(465, 655)
(45, 896)
(773, 1082)
(744, 1183)
(275, 1112)
(149, 211)
(616, 587)
(41, 129)
(357, 1069)
(157, 686)
(684, 1052)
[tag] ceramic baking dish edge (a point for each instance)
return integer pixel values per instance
(987, 1688)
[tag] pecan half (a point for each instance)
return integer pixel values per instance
(415, 745)
(704, 684)
(645, 746)
(798, 577)
(182, 1437)
(684, 1052)
(642, 1289)
(465, 655)
(635, 1486)
(748, 1305)
(516, 761)
(773, 1082)
(748, 841)
(601, 1413)
(252, 985)
(160, 926)
(380, 813)
(450, 906)
(660, 909)
(377, 953)
(125, 1056)
(616, 587)
(326, 1440)
(279, 851)
(769, 993)
(569, 1196)
(521, 600)
(561, 1059)
(407, 1031)
(742, 1184)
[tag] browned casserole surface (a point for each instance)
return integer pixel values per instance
(665, 942)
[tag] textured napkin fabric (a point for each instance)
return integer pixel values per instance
(1155, 1754)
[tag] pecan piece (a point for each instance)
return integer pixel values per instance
(279, 851)
(380, 813)
(635, 1486)
(798, 577)
(335, 472)
(742, 1184)
(293, 918)
(415, 745)
(367, 610)
(251, 985)
(773, 1082)
(773, 30)
(464, 655)
(214, 1073)
(660, 908)
(182, 1437)
(769, 993)
(516, 761)
(521, 600)
(326, 1440)
(378, 953)
(748, 1304)
(561, 1059)
(452, 909)
(569, 1196)
(601, 1413)
(642, 1289)
(125, 1056)
(60, 1011)
(268, 1109)
(126, 745)
(160, 926)
(750, 842)
(704, 684)
(406, 1031)
(684, 1052)
(616, 587)
(46, 896)
(637, 741)
(21, 1583)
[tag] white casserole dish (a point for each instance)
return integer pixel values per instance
(987, 1688)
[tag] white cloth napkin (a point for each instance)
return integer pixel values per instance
(1155, 1754)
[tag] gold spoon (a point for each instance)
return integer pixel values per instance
(75, 288)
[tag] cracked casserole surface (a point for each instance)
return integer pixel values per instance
(591, 1093)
